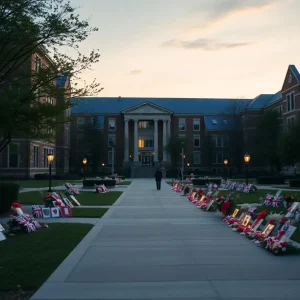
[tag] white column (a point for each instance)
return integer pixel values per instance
(155, 141)
(168, 137)
(135, 142)
(126, 142)
(164, 140)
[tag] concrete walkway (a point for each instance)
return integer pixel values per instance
(156, 245)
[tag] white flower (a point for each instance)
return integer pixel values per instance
(283, 249)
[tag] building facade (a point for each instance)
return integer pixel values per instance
(25, 157)
(139, 128)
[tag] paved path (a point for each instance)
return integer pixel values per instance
(156, 245)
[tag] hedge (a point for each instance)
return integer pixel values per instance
(203, 181)
(270, 180)
(9, 192)
(92, 182)
(45, 176)
(294, 183)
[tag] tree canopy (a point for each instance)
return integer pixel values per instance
(174, 148)
(52, 29)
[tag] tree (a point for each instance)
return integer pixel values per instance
(267, 138)
(91, 146)
(174, 148)
(46, 28)
(209, 148)
(289, 144)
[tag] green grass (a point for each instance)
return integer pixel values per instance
(28, 260)
(126, 182)
(79, 212)
(85, 198)
(254, 196)
(41, 183)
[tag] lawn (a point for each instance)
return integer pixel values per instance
(79, 212)
(126, 182)
(42, 183)
(27, 260)
(254, 196)
(85, 198)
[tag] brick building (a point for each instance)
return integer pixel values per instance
(25, 157)
(139, 128)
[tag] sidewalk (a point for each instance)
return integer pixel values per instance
(156, 245)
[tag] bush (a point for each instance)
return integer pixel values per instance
(270, 180)
(294, 183)
(9, 192)
(92, 182)
(45, 176)
(203, 181)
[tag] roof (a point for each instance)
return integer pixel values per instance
(109, 105)
(220, 123)
(295, 72)
(61, 80)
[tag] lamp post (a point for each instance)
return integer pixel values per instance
(182, 158)
(84, 161)
(188, 167)
(247, 160)
(50, 158)
(226, 166)
(113, 159)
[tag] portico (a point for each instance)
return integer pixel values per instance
(151, 130)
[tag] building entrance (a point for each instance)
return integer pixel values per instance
(146, 158)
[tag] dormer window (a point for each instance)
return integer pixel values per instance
(214, 121)
(225, 122)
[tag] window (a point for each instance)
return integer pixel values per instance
(111, 140)
(220, 141)
(110, 158)
(46, 152)
(196, 157)
(225, 122)
(141, 143)
(290, 100)
(181, 124)
(196, 124)
(149, 143)
(80, 122)
(279, 110)
(49, 100)
(196, 141)
(219, 158)
(37, 64)
(290, 122)
(144, 124)
(13, 155)
(37, 95)
(111, 124)
(214, 122)
(36, 156)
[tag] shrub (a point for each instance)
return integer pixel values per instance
(45, 176)
(204, 181)
(92, 182)
(9, 192)
(270, 180)
(294, 183)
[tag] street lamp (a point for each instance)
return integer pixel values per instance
(50, 158)
(247, 160)
(226, 166)
(84, 161)
(112, 158)
(182, 158)
(103, 164)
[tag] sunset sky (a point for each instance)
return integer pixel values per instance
(192, 48)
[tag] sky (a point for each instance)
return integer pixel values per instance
(191, 48)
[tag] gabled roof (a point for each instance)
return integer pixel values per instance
(295, 72)
(220, 123)
(260, 101)
(147, 107)
(202, 106)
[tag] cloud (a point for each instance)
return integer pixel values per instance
(204, 44)
(217, 12)
(135, 72)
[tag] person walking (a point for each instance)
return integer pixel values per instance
(158, 177)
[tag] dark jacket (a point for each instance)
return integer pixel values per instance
(158, 175)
